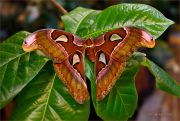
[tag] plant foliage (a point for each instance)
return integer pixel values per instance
(42, 96)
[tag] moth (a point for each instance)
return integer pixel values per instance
(109, 52)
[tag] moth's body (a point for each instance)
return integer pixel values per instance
(110, 53)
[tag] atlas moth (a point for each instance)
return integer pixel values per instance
(109, 52)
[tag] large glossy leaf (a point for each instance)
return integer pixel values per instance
(138, 15)
(79, 20)
(163, 80)
(17, 67)
(46, 98)
(121, 101)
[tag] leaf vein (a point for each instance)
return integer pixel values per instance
(48, 98)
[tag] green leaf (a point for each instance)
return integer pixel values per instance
(121, 102)
(46, 98)
(138, 15)
(79, 20)
(17, 67)
(163, 80)
(117, 16)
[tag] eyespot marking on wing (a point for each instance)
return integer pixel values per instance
(115, 37)
(62, 38)
(102, 58)
(76, 59)
(59, 36)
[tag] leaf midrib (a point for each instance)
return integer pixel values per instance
(53, 79)
(10, 59)
(122, 101)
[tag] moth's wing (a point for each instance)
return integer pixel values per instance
(111, 56)
(71, 71)
(73, 80)
(42, 40)
(67, 53)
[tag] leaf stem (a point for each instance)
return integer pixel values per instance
(59, 6)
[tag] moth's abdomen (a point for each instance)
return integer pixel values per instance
(91, 54)
(73, 80)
